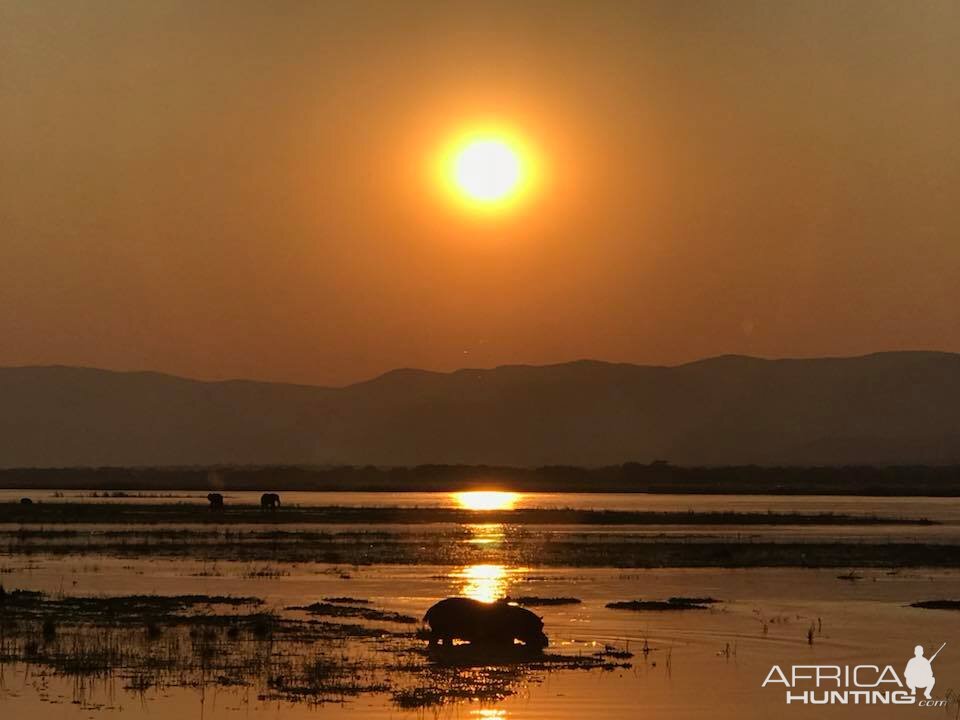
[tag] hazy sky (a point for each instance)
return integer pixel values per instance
(237, 189)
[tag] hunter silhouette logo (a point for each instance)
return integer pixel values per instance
(865, 684)
(919, 671)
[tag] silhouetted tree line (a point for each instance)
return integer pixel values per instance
(657, 477)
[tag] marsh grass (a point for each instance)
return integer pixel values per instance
(467, 673)
(198, 514)
(535, 601)
(325, 677)
(171, 648)
(367, 613)
(674, 603)
(937, 604)
(271, 552)
(149, 642)
(265, 572)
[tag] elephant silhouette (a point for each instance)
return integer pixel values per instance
(269, 501)
(216, 501)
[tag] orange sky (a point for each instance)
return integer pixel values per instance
(237, 189)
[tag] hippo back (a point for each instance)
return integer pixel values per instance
(480, 622)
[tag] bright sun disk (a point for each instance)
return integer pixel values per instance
(487, 170)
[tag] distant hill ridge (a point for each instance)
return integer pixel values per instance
(885, 408)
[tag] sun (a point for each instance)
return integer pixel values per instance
(486, 499)
(487, 170)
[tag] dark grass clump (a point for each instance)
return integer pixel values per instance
(851, 576)
(438, 686)
(334, 610)
(118, 608)
(153, 630)
(676, 603)
(477, 673)
(324, 678)
(937, 604)
(262, 625)
(534, 601)
(615, 654)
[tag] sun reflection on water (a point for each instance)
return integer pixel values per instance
(489, 713)
(485, 533)
(486, 583)
(486, 499)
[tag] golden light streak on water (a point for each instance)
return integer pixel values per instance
(486, 499)
(486, 533)
(489, 713)
(486, 583)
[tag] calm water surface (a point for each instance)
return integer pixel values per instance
(702, 664)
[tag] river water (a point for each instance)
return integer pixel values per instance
(700, 664)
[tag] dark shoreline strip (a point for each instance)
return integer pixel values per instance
(199, 513)
(648, 554)
(628, 477)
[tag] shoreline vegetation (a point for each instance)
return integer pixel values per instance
(519, 547)
(655, 554)
(356, 536)
(674, 603)
(154, 642)
(653, 477)
(937, 604)
(199, 513)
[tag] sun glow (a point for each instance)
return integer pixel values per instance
(488, 170)
(486, 500)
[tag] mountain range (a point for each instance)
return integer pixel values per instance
(882, 409)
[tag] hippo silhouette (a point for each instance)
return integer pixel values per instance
(216, 501)
(480, 623)
(26, 501)
(269, 500)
